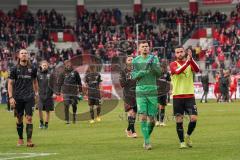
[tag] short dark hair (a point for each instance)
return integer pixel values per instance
(125, 57)
(179, 46)
(142, 42)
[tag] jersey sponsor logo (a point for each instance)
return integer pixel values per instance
(72, 74)
(164, 80)
(29, 70)
(24, 76)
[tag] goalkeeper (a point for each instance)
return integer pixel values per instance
(146, 69)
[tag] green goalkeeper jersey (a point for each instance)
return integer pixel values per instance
(146, 71)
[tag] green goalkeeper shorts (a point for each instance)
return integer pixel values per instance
(147, 105)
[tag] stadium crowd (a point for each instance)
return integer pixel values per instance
(99, 33)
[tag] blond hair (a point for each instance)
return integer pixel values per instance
(44, 61)
(18, 61)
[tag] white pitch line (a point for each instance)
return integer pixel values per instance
(25, 155)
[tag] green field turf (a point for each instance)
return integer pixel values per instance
(217, 137)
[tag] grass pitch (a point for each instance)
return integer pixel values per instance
(216, 137)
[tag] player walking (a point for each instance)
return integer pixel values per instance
(70, 85)
(205, 85)
(93, 80)
(22, 89)
(164, 87)
(183, 93)
(129, 96)
(46, 95)
(146, 69)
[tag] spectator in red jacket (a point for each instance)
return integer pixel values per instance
(233, 87)
(214, 68)
(216, 85)
(221, 59)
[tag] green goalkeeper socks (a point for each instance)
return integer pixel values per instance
(150, 127)
(145, 132)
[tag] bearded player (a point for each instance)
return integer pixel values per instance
(22, 89)
(182, 70)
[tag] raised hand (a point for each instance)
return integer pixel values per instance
(189, 52)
